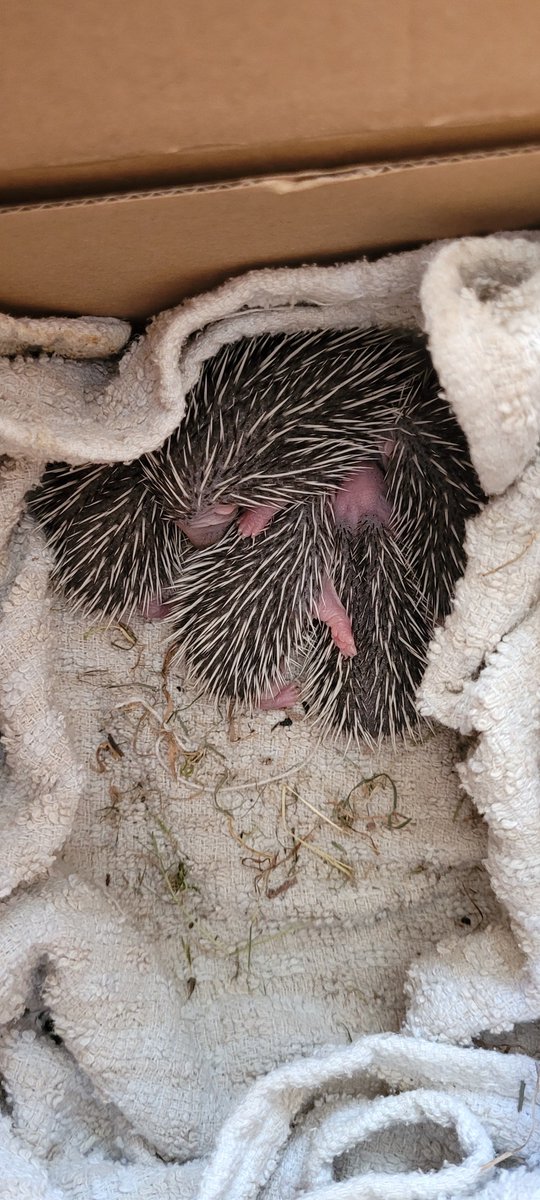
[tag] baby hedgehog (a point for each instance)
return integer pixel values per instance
(371, 695)
(241, 609)
(276, 418)
(399, 551)
(115, 552)
(432, 490)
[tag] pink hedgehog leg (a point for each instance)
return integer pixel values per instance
(282, 697)
(254, 520)
(330, 610)
(361, 496)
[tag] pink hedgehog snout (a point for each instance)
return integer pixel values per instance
(362, 495)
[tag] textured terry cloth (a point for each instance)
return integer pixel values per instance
(238, 963)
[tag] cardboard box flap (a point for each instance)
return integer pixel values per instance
(101, 97)
(132, 255)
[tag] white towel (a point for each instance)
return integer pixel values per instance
(163, 944)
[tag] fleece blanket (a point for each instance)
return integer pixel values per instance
(237, 963)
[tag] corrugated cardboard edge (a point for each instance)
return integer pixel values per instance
(281, 184)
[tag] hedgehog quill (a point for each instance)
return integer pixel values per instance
(115, 552)
(241, 610)
(324, 485)
(277, 418)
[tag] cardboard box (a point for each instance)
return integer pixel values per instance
(150, 150)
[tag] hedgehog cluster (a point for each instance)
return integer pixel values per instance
(301, 532)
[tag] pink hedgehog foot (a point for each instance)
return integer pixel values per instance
(254, 520)
(331, 611)
(155, 610)
(282, 697)
(208, 527)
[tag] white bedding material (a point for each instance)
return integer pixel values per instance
(153, 905)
